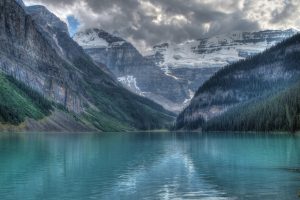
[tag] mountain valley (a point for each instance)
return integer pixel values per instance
(174, 71)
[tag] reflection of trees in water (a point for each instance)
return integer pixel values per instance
(43, 164)
(249, 164)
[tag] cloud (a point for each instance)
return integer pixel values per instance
(148, 22)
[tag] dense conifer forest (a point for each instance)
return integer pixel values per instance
(17, 101)
(280, 112)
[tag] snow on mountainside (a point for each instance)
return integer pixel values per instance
(130, 82)
(216, 51)
(96, 38)
(90, 40)
(137, 73)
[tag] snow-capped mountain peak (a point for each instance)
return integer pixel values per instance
(216, 51)
(96, 38)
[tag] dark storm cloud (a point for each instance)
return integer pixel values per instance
(288, 9)
(147, 22)
(135, 19)
(56, 2)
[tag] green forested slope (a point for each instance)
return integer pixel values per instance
(280, 112)
(18, 102)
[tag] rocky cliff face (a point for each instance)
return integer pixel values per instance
(244, 81)
(27, 55)
(36, 49)
(134, 71)
(46, 20)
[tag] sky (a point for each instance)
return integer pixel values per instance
(149, 22)
(73, 24)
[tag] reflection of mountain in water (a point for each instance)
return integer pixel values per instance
(148, 166)
(171, 176)
(249, 166)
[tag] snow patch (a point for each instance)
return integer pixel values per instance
(131, 83)
(57, 44)
(191, 95)
(91, 40)
(119, 43)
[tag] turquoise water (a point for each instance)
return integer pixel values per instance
(149, 166)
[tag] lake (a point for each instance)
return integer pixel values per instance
(149, 166)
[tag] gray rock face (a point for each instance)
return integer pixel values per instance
(21, 3)
(27, 55)
(194, 76)
(258, 77)
(137, 73)
(36, 49)
(46, 20)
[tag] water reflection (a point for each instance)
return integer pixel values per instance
(149, 166)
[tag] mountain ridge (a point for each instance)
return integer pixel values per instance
(189, 64)
(267, 73)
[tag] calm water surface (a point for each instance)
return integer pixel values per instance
(149, 166)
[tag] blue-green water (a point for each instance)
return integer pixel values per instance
(149, 166)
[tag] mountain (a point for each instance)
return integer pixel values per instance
(217, 51)
(255, 79)
(134, 71)
(197, 60)
(170, 74)
(36, 50)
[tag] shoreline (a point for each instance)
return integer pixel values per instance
(147, 131)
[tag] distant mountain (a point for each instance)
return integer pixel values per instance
(256, 79)
(134, 71)
(37, 51)
(197, 60)
(217, 51)
(170, 74)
